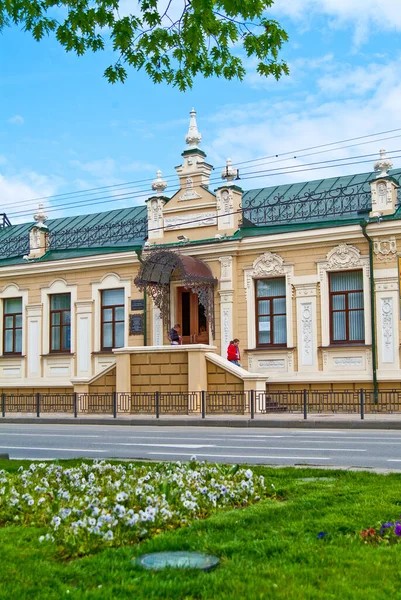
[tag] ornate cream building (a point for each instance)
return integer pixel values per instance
(305, 275)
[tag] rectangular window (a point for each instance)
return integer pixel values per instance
(347, 322)
(271, 320)
(12, 326)
(60, 323)
(112, 319)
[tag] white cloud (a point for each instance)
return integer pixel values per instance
(361, 14)
(18, 193)
(16, 120)
(269, 128)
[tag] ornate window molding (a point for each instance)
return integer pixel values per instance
(342, 258)
(265, 266)
(12, 290)
(57, 286)
(108, 282)
(385, 249)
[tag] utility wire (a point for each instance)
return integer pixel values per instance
(276, 156)
(252, 175)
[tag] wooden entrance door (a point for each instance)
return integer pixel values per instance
(192, 318)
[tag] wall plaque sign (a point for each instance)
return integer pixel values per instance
(137, 305)
(135, 324)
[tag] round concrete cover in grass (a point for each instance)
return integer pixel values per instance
(177, 560)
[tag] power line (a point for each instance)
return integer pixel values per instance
(254, 175)
(277, 156)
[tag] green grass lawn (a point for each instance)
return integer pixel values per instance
(269, 550)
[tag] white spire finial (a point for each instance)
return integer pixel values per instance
(159, 184)
(193, 137)
(40, 216)
(383, 164)
(229, 173)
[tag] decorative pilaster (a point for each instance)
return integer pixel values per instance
(34, 327)
(386, 291)
(306, 326)
(226, 293)
(84, 337)
(157, 327)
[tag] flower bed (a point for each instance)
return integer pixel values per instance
(97, 505)
(383, 533)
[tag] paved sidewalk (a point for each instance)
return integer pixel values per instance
(323, 420)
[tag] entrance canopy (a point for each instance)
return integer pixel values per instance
(162, 266)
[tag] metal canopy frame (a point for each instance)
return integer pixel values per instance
(162, 266)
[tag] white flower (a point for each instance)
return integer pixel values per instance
(109, 535)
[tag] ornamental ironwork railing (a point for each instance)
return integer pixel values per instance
(81, 237)
(14, 246)
(4, 221)
(99, 235)
(309, 205)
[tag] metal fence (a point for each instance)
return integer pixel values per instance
(251, 404)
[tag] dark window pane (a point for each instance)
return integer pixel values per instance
(112, 297)
(12, 305)
(264, 327)
(264, 307)
(280, 332)
(119, 314)
(107, 335)
(119, 335)
(279, 306)
(55, 318)
(339, 329)
(8, 322)
(18, 340)
(55, 338)
(8, 341)
(107, 315)
(270, 287)
(18, 320)
(346, 281)
(356, 325)
(60, 301)
(355, 300)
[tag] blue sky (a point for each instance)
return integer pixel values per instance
(63, 128)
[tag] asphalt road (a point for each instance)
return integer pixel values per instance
(378, 449)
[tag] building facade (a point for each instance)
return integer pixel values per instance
(305, 275)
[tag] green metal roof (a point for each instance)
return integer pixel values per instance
(276, 209)
(335, 198)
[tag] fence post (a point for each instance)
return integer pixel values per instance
(3, 404)
(203, 403)
(362, 402)
(252, 404)
(305, 398)
(38, 404)
(115, 405)
(75, 402)
(157, 404)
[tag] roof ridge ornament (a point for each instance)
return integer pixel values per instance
(40, 216)
(383, 164)
(193, 137)
(229, 173)
(159, 184)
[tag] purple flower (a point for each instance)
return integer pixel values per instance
(397, 529)
(321, 535)
(385, 526)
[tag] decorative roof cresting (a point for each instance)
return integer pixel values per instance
(40, 217)
(229, 173)
(193, 137)
(159, 184)
(383, 164)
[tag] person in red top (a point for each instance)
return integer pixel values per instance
(233, 354)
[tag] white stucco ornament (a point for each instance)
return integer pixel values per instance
(383, 164)
(193, 137)
(159, 184)
(40, 217)
(229, 173)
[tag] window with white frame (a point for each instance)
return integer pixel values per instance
(112, 319)
(12, 326)
(60, 323)
(347, 321)
(271, 314)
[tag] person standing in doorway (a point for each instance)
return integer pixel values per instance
(233, 353)
(174, 335)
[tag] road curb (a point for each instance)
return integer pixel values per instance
(252, 424)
